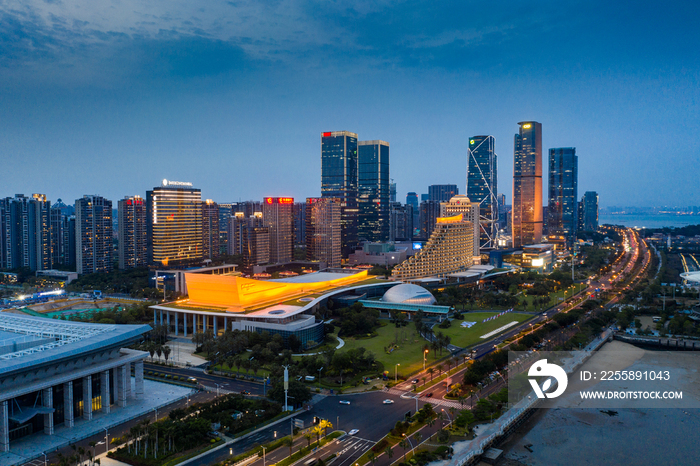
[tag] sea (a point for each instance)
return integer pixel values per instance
(649, 220)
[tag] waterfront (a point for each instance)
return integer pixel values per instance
(649, 220)
(629, 435)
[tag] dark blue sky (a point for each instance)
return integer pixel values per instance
(110, 97)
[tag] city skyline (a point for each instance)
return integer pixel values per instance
(189, 93)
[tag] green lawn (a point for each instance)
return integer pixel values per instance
(409, 353)
(464, 337)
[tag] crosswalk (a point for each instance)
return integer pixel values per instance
(433, 401)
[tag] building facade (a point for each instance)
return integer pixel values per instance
(401, 227)
(278, 217)
(373, 190)
(323, 230)
(590, 211)
(429, 213)
(482, 186)
(339, 181)
(93, 237)
(25, 232)
(174, 212)
(300, 223)
(442, 192)
(133, 237)
(562, 206)
(449, 250)
(470, 210)
(527, 185)
(210, 229)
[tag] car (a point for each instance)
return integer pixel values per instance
(344, 402)
(245, 392)
(353, 432)
(388, 402)
(414, 381)
(191, 379)
(429, 395)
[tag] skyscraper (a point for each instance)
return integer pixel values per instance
(469, 209)
(25, 232)
(133, 235)
(412, 200)
(373, 190)
(323, 227)
(563, 193)
(401, 222)
(482, 186)
(339, 180)
(300, 223)
(210, 229)
(527, 185)
(442, 192)
(428, 215)
(93, 237)
(590, 211)
(278, 216)
(174, 212)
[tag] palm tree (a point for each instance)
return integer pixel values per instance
(439, 368)
(308, 436)
(431, 371)
(389, 452)
(238, 361)
(372, 457)
(404, 444)
(166, 352)
(417, 437)
(290, 443)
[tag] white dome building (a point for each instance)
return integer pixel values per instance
(409, 294)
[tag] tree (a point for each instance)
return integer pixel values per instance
(372, 457)
(431, 371)
(417, 437)
(404, 444)
(289, 442)
(389, 452)
(166, 352)
(308, 436)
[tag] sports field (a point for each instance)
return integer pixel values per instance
(464, 337)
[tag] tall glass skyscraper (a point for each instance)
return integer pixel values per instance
(482, 186)
(442, 192)
(527, 185)
(563, 193)
(339, 180)
(373, 190)
(590, 211)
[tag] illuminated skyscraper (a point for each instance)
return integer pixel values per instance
(482, 185)
(589, 205)
(339, 180)
(25, 232)
(373, 190)
(133, 234)
(93, 236)
(469, 209)
(323, 227)
(563, 194)
(210, 229)
(278, 216)
(527, 185)
(174, 223)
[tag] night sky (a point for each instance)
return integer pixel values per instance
(110, 97)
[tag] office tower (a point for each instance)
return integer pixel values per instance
(412, 200)
(401, 222)
(133, 234)
(482, 186)
(278, 216)
(373, 190)
(339, 180)
(461, 204)
(449, 250)
(545, 219)
(323, 230)
(225, 212)
(248, 208)
(527, 185)
(300, 223)
(25, 232)
(174, 212)
(429, 212)
(93, 236)
(562, 205)
(442, 192)
(237, 223)
(210, 229)
(392, 191)
(589, 204)
(503, 211)
(424, 197)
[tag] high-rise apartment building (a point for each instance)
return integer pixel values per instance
(300, 223)
(482, 186)
(248, 237)
(392, 191)
(174, 223)
(133, 234)
(339, 181)
(469, 210)
(527, 185)
(589, 204)
(323, 228)
(93, 236)
(210, 229)
(278, 216)
(373, 190)
(225, 212)
(442, 192)
(401, 222)
(25, 232)
(562, 211)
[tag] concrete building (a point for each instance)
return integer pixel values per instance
(25, 232)
(429, 213)
(210, 229)
(133, 234)
(527, 185)
(55, 376)
(174, 212)
(538, 258)
(589, 209)
(384, 254)
(62, 236)
(442, 192)
(461, 204)
(401, 227)
(450, 249)
(278, 217)
(323, 230)
(93, 237)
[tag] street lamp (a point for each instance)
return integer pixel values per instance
(319, 378)
(45, 458)
(448, 415)
(396, 372)
(155, 411)
(425, 352)
(106, 439)
(217, 389)
(410, 443)
(263, 456)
